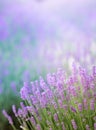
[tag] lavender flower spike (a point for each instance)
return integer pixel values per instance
(74, 124)
(8, 117)
(14, 110)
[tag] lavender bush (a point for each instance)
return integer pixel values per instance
(60, 102)
(17, 70)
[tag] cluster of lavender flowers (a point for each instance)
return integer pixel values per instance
(63, 101)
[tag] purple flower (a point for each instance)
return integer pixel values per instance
(33, 87)
(56, 117)
(32, 120)
(43, 84)
(43, 99)
(94, 71)
(65, 106)
(63, 127)
(73, 91)
(74, 124)
(92, 104)
(51, 79)
(80, 107)
(20, 113)
(8, 117)
(14, 110)
(38, 127)
(61, 75)
(30, 109)
(34, 99)
(60, 103)
(87, 127)
(24, 93)
(92, 86)
(73, 109)
(85, 103)
(50, 94)
(59, 86)
(24, 110)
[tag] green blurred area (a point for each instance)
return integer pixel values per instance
(12, 68)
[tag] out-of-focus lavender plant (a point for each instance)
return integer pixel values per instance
(62, 101)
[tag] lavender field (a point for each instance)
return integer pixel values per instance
(47, 65)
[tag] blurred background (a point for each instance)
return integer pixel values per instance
(37, 37)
